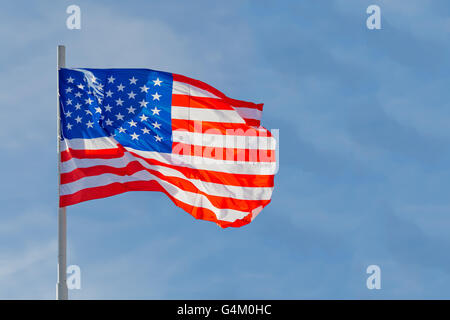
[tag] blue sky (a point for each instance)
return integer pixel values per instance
(364, 172)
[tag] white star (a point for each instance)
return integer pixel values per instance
(131, 95)
(119, 102)
(68, 90)
(88, 100)
(109, 93)
(158, 138)
(156, 96)
(78, 94)
(122, 130)
(88, 112)
(145, 130)
(131, 109)
(80, 86)
(155, 110)
(143, 103)
(108, 108)
(68, 114)
(70, 79)
(111, 79)
(69, 126)
(120, 87)
(78, 106)
(132, 123)
(143, 117)
(69, 102)
(100, 86)
(90, 124)
(109, 122)
(102, 117)
(98, 110)
(144, 89)
(93, 79)
(157, 82)
(78, 119)
(119, 116)
(156, 125)
(134, 136)
(133, 80)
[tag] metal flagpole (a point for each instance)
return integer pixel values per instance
(61, 287)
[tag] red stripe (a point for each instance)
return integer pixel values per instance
(180, 100)
(117, 188)
(239, 129)
(245, 104)
(233, 154)
(68, 154)
(252, 122)
(183, 184)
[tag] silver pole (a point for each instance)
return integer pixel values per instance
(62, 293)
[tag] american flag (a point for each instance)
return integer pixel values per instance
(144, 130)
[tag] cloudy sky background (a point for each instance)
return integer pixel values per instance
(364, 150)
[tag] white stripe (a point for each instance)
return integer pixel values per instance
(249, 113)
(203, 114)
(224, 141)
(211, 188)
(193, 199)
(187, 89)
(89, 144)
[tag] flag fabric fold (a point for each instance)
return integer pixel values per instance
(144, 130)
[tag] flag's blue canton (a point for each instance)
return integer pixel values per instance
(133, 105)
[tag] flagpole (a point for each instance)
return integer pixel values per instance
(61, 287)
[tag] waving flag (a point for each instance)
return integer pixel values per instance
(145, 130)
